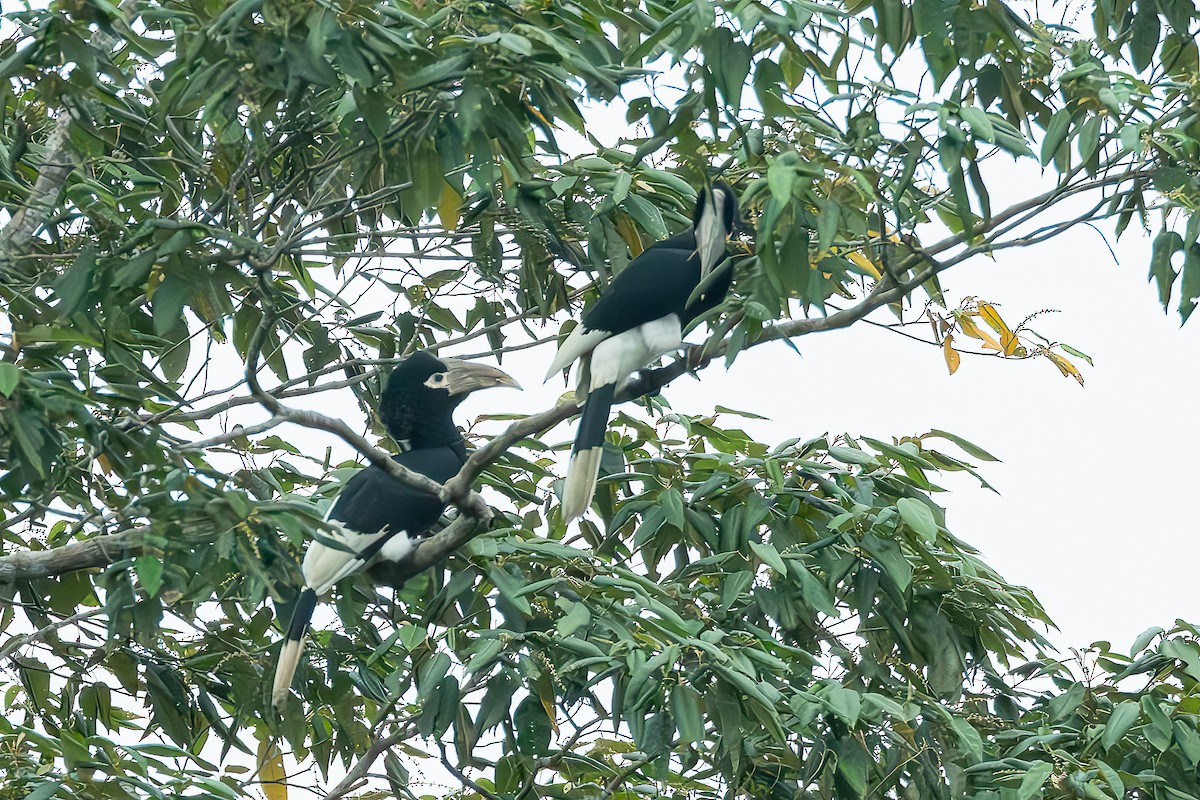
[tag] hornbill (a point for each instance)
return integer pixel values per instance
(375, 516)
(641, 316)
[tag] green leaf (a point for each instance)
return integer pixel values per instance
(854, 765)
(1078, 354)
(851, 455)
(1111, 777)
(1146, 31)
(1088, 139)
(1035, 776)
(1064, 704)
(149, 572)
(1119, 722)
(729, 61)
(1144, 638)
(685, 706)
(533, 727)
(988, 84)
(1167, 244)
(827, 223)
(73, 287)
(769, 556)
(1189, 283)
(658, 734)
(432, 672)
(781, 177)
(10, 376)
(978, 120)
(1056, 134)
(672, 505)
(438, 72)
(919, 517)
(578, 617)
(845, 703)
(968, 447)
(43, 791)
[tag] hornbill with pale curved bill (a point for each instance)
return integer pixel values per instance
(641, 316)
(376, 517)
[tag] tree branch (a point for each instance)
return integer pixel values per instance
(100, 551)
(457, 491)
(17, 642)
(56, 165)
(358, 773)
(469, 502)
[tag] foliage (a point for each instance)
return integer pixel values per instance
(195, 187)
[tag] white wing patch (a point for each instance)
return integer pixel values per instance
(324, 565)
(615, 358)
(398, 547)
(579, 342)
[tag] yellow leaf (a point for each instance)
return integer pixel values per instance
(449, 205)
(865, 263)
(953, 359)
(532, 109)
(1065, 367)
(874, 233)
(1008, 341)
(969, 328)
(629, 233)
(270, 771)
(546, 696)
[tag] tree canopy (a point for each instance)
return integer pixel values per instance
(225, 221)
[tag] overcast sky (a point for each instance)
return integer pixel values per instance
(1095, 508)
(1093, 511)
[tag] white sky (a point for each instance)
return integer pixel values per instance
(1092, 511)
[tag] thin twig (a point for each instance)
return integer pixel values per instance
(17, 642)
(357, 774)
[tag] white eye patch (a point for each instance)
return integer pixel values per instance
(436, 381)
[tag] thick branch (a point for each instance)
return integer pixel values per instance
(456, 491)
(98, 552)
(57, 164)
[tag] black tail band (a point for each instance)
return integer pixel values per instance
(593, 423)
(302, 615)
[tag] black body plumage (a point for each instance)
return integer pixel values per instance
(640, 316)
(656, 284)
(376, 516)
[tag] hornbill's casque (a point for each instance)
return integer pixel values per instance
(376, 516)
(641, 316)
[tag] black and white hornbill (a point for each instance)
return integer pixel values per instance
(376, 517)
(641, 316)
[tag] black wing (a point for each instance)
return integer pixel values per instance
(373, 500)
(656, 283)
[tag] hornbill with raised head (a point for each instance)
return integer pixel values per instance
(641, 316)
(376, 517)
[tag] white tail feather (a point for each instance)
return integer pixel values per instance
(285, 670)
(580, 484)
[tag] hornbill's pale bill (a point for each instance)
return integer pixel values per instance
(641, 316)
(376, 516)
